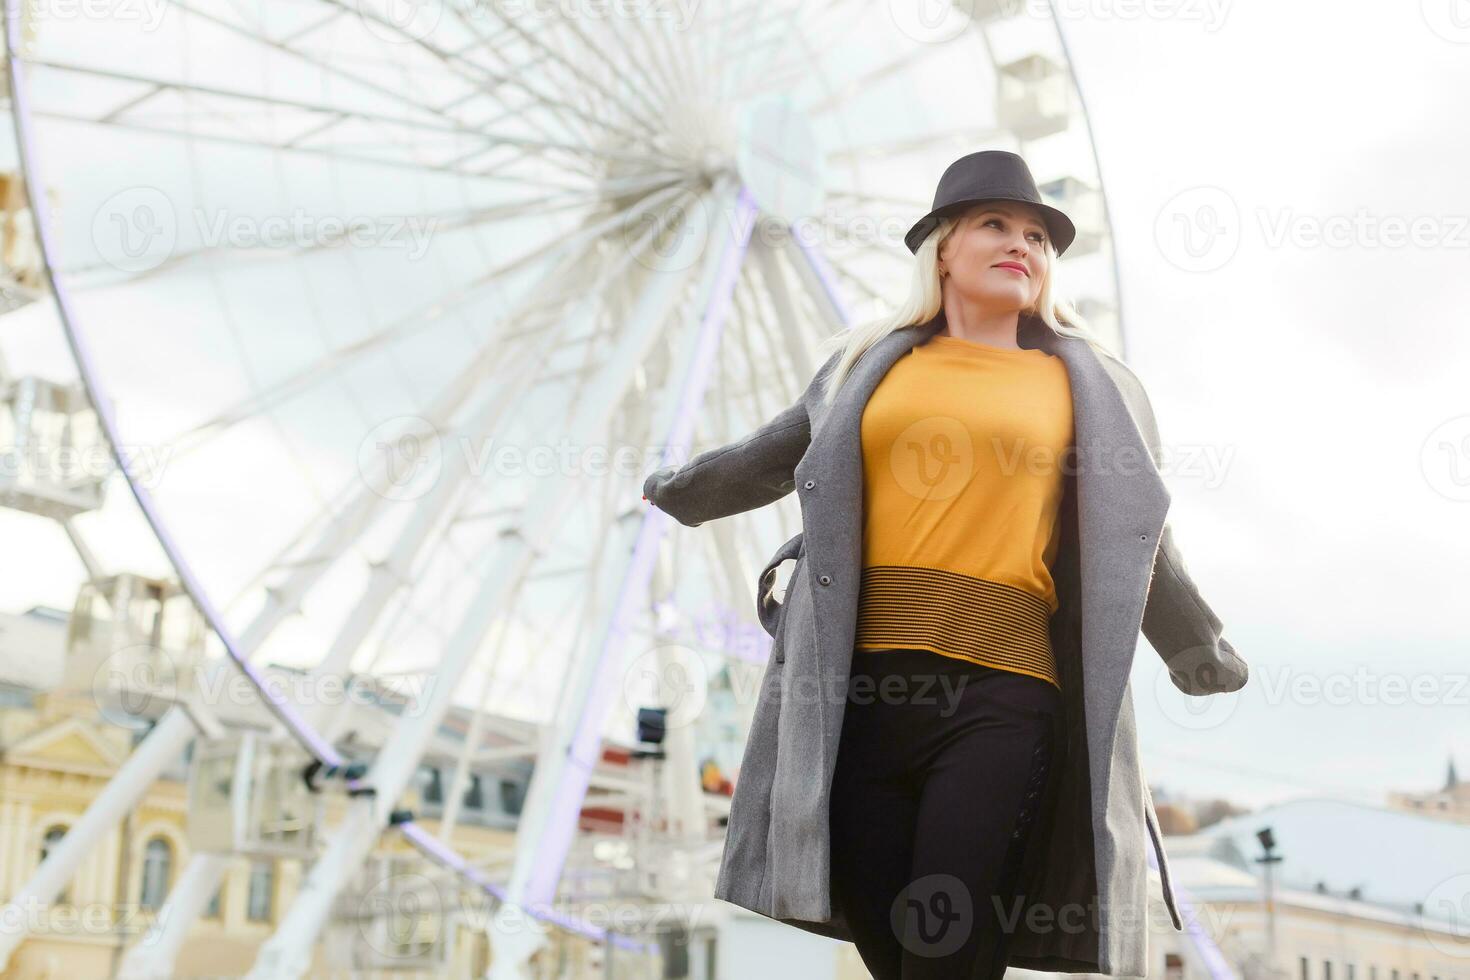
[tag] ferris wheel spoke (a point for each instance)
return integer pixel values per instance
(646, 61)
(578, 155)
(648, 124)
(549, 204)
(884, 252)
(716, 34)
(776, 39)
(489, 176)
(905, 204)
(504, 397)
(574, 119)
(459, 780)
(518, 378)
(361, 500)
(513, 75)
(154, 87)
(764, 42)
(957, 138)
(469, 71)
(873, 76)
(319, 371)
(285, 46)
(784, 320)
(856, 280)
(599, 53)
(796, 50)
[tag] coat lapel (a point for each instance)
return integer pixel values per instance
(1122, 503)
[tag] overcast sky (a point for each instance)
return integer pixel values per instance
(1307, 360)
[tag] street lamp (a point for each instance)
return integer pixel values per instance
(1267, 859)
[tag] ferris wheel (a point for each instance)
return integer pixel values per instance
(385, 311)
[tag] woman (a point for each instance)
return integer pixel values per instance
(935, 703)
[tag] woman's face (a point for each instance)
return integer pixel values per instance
(995, 256)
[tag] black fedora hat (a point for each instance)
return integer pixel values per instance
(989, 175)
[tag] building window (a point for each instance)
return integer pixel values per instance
(433, 783)
(213, 911)
(1306, 970)
(512, 797)
(158, 860)
(262, 885)
(1326, 970)
(474, 797)
(51, 838)
(1351, 971)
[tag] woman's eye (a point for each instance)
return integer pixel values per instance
(1038, 237)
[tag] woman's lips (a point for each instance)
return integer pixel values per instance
(1016, 269)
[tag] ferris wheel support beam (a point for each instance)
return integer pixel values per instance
(798, 342)
(460, 781)
(153, 955)
(287, 954)
(679, 772)
(159, 749)
(156, 954)
(169, 737)
(820, 281)
(559, 784)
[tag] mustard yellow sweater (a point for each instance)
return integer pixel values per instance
(964, 452)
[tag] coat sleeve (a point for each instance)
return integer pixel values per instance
(1177, 622)
(1185, 632)
(748, 473)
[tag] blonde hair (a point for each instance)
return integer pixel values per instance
(923, 303)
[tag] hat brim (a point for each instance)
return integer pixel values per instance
(1059, 227)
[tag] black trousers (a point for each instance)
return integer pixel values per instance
(940, 774)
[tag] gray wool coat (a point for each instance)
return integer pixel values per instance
(1117, 571)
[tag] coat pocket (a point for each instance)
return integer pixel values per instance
(766, 607)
